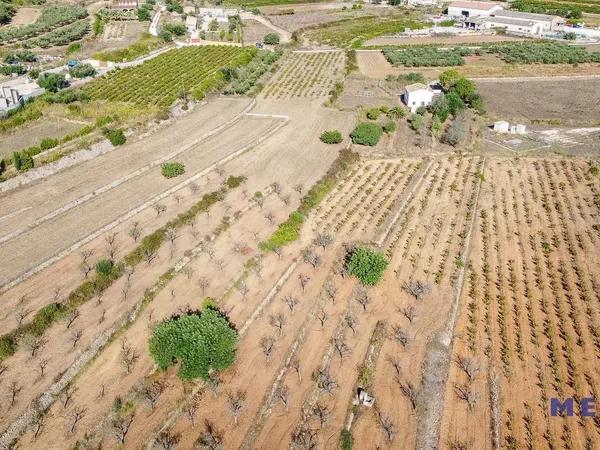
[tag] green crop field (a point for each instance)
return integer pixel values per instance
(352, 32)
(160, 80)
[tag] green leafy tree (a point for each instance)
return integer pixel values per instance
(366, 134)
(52, 82)
(116, 137)
(366, 264)
(455, 103)
(143, 15)
(82, 71)
(440, 108)
(464, 88)
(416, 122)
(271, 39)
(449, 77)
(198, 341)
(346, 438)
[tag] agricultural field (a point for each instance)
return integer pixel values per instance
(561, 100)
(310, 74)
(227, 247)
(160, 80)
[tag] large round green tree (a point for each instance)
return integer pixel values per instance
(199, 341)
(366, 264)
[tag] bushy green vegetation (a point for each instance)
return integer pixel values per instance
(426, 56)
(271, 39)
(544, 53)
(60, 36)
(331, 137)
(52, 312)
(571, 9)
(52, 82)
(20, 57)
(289, 230)
(160, 80)
(6, 12)
(115, 136)
(346, 440)
(172, 170)
(82, 71)
(51, 17)
(199, 341)
(352, 32)
(366, 264)
(366, 134)
(244, 78)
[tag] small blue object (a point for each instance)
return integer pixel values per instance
(72, 63)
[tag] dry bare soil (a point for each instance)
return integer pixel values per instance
(508, 248)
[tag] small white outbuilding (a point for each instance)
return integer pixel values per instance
(416, 95)
(501, 126)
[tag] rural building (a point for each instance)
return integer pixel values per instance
(515, 22)
(15, 92)
(470, 9)
(422, 2)
(124, 4)
(501, 126)
(191, 22)
(416, 95)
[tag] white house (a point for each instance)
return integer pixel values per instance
(515, 22)
(191, 22)
(416, 95)
(469, 9)
(501, 126)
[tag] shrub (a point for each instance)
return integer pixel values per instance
(373, 113)
(104, 267)
(199, 341)
(389, 127)
(331, 137)
(366, 264)
(346, 440)
(82, 71)
(48, 143)
(288, 231)
(52, 82)
(416, 122)
(8, 346)
(271, 39)
(366, 134)
(171, 170)
(233, 182)
(116, 136)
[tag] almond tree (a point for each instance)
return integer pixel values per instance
(159, 208)
(362, 297)
(295, 364)
(168, 440)
(409, 312)
(42, 365)
(152, 392)
(387, 425)
(278, 321)
(283, 394)
(304, 279)
(330, 290)
(72, 317)
(325, 381)
(129, 356)
(351, 321)
(267, 344)
(323, 240)
(321, 411)
(21, 315)
(204, 283)
(211, 438)
(304, 438)
(76, 416)
(76, 337)
(417, 289)
(322, 316)
(400, 335)
(236, 404)
(86, 266)
(291, 302)
(341, 347)
(310, 257)
(35, 343)
(67, 394)
(135, 231)
(121, 426)
(464, 392)
(410, 392)
(469, 366)
(14, 390)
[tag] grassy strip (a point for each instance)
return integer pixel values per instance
(144, 45)
(289, 231)
(53, 312)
